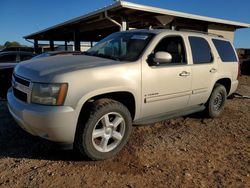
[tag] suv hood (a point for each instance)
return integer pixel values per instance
(46, 68)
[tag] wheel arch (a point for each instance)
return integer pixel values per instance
(226, 82)
(124, 97)
(102, 105)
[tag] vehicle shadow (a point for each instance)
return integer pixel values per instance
(198, 115)
(16, 143)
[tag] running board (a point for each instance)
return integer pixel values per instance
(169, 115)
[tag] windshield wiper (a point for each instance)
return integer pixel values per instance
(87, 53)
(101, 55)
(107, 56)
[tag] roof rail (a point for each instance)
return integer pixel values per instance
(202, 32)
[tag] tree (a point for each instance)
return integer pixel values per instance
(8, 44)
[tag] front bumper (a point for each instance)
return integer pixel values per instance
(54, 123)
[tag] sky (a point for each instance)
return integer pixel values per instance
(22, 17)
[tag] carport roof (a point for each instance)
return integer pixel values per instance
(95, 24)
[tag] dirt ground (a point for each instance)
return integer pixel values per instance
(189, 151)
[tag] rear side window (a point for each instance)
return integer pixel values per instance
(201, 50)
(225, 50)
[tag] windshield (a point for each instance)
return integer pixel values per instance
(121, 46)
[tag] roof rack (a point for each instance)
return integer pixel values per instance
(202, 32)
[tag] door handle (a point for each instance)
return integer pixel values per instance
(184, 73)
(213, 70)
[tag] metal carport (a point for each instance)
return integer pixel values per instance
(124, 15)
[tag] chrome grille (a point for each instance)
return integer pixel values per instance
(20, 95)
(21, 81)
(21, 88)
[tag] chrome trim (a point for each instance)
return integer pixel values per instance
(21, 87)
(200, 90)
(167, 96)
(30, 93)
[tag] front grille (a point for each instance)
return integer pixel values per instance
(21, 80)
(21, 88)
(20, 95)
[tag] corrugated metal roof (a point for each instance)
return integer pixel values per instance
(182, 14)
(149, 9)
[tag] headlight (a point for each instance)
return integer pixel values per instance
(49, 94)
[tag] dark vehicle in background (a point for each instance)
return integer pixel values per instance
(8, 60)
(244, 56)
(22, 48)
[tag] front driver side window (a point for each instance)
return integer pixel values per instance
(175, 46)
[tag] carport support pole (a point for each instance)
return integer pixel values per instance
(36, 45)
(66, 45)
(124, 25)
(51, 45)
(77, 40)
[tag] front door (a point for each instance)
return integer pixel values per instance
(166, 87)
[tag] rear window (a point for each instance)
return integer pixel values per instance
(201, 50)
(225, 50)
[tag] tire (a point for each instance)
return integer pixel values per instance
(216, 102)
(104, 132)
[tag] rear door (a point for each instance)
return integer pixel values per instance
(227, 61)
(204, 69)
(228, 58)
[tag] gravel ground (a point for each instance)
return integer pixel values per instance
(189, 151)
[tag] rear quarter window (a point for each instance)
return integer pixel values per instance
(225, 50)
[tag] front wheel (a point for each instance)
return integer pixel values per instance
(106, 130)
(217, 100)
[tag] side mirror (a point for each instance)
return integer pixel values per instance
(162, 57)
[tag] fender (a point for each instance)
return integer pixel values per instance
(102, 91)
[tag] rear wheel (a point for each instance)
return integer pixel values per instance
(106, 130)
(217, 100)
